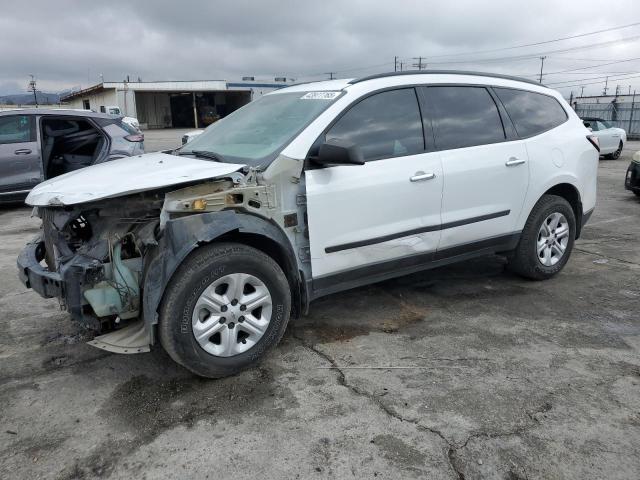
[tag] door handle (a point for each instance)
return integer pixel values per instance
(22, 151)
(513, 161)
(419, 176)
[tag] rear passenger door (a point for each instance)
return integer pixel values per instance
(20, 164)
(367, 220)
(484, 166)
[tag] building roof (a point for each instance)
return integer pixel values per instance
(172, 86)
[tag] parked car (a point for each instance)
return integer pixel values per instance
(187, 137)
(307, 191)
(611, 139)
(115, 110)
(39, 144)
(632, 179)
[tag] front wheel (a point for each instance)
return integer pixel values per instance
(226, 305)
(546, 241)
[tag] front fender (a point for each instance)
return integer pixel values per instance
(182, 235)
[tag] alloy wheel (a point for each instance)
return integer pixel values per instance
(553, 238)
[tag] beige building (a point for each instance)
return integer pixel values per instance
(172, 104)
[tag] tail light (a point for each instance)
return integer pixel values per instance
(138, 137)
(594, 141)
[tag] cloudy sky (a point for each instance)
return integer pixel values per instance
(69, 44)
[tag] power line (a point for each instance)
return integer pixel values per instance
(580, 79)
(596, 83)
(536, 43)
(539, 54)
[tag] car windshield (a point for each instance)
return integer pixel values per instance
(256, 133)
(605, 123)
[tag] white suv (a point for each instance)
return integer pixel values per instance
(310, 190)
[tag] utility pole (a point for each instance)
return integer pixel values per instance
(581, 90)
(606, 86)
(395, 63)
(633, 104)
(541, 67)
(419, 65)
(617, 90)
(331, 74)
(401, 65)
(32, 88)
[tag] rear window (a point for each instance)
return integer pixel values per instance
(463, 117)
(531, 113)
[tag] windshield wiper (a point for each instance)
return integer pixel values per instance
(204, 154)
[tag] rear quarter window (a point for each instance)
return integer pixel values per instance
(531, 113)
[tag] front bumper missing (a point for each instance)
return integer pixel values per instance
(33, 275)
(67, 285)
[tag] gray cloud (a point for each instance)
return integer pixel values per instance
(69, 43)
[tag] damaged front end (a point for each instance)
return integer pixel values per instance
(91, 257)
(108, 261)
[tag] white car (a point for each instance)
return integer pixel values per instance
(611, 139)
(307, 191)
(115, 110)
(187, 137)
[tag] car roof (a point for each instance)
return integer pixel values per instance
(64, 112)
(418, 76)
(444, 72)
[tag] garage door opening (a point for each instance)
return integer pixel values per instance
(176, 110)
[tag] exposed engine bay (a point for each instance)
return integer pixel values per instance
(108, 261)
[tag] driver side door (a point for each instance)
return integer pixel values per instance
(366, 221)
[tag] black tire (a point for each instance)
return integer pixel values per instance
(524, 261)
(197, 272)
(615, 155)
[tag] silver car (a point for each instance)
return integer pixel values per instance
(38, 144)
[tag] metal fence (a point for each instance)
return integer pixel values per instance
(621, 115)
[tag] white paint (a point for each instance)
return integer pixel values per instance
(477, 181)
(125, 176)
(351, 203)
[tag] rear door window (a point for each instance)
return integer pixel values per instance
(384, 125)
(463, 116)
(532, 113)
(16, 129)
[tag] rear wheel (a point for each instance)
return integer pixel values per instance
(224, 308)
(547, 239)
(615, 155)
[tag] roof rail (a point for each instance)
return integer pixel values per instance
(444, 72)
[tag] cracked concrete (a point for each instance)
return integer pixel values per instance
(464, 372)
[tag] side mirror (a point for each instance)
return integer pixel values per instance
(339, 152)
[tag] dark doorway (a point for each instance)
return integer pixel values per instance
(182, 110)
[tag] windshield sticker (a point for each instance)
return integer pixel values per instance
(320, 96)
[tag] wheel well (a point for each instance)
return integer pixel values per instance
(571, 195)
(279, 254)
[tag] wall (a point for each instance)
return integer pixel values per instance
(105, 97)
(153, 109)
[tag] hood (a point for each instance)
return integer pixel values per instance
(125, 176)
